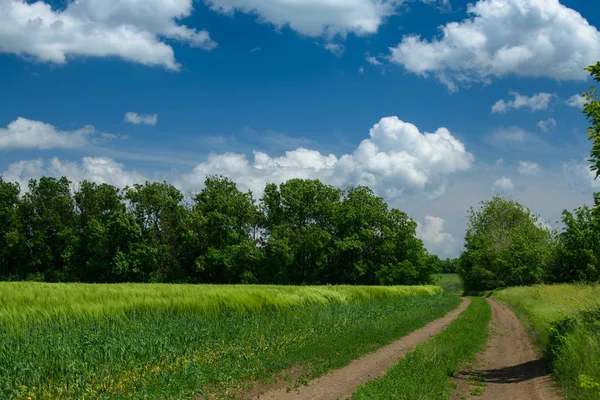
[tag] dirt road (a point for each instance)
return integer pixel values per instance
(509, 367)
(341, 383)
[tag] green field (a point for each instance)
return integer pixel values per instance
(449, 282)
(176, 341)
(564, 323)
(425, 373)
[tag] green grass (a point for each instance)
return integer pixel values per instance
(175, 341)
(449, 282)
(426, 372)
(564, 323)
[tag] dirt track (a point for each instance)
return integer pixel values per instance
(509, 367)
(341, 383)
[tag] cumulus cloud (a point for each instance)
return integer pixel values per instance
(435, 238)
(26, 133)
(397, 161)
(134, 118)
(504, 183)
(97, 169)
(580, 177)
(361, 70)
(315, 18)
(133, 30)
(528, 168)
(576, 101)
(529, 38)
(539, 101)
(547, 125)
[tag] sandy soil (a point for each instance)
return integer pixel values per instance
(509, 367)
(341, 383)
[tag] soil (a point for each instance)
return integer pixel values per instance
(509, 368)
(341, 383)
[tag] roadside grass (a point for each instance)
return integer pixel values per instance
(449, 282)
(564, 324)
(178, 341)
(426, 372)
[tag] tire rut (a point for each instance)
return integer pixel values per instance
(341, 383)
(509, 369)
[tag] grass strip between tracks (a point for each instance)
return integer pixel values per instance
(426, 372)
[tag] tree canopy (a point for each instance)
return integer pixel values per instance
(299, 232)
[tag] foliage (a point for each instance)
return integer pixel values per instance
(141, 341)
(425, 373)
(577, 254)
(449, 282)
(592, 112)
(301, 231)
(564, 322)
(505, 245)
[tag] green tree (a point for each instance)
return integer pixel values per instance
(223, 219)
(577, 257)
(298, 217)
(13, 249)
(161, 217)
(95, 205)
(48, 215)
(592, 112)
(505, 245)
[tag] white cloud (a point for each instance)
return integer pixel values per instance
(529, 38)
(576, 101)
(504, 183)
(397, 161)
(537, 102)
(547, 125)
(97, 169)
(580, 177)
(315, 18)
(361, 70)
(528, 168)
(373, 60)
(133, 30)
(134, 118)
(26, 133)
(435, 238)
(335, 48)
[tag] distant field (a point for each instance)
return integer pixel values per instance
(564, 322)
(449, 282)
(177, 341)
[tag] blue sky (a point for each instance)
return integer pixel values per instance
(354, 92)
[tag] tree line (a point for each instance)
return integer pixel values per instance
(299, 232)
(507, 245)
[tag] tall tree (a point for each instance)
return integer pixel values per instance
(592, 111)
(48, 213)
(505, 245)
(12, 246)
(223, 219)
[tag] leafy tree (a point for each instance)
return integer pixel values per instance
(48, 215)
(12, 246)
(592, 112)
(299, 224)
(161, 217)
(505, 245)
(577, 256)
(223, 219)
(95, 205)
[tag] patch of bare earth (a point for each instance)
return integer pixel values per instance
(341, 383)
(509, 368)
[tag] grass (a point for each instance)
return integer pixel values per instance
(176, 341)
(449, 282)
(564, 323)
(426, 372)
